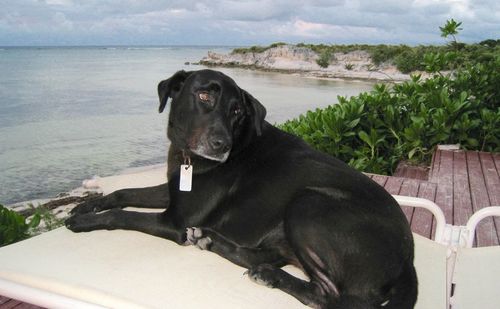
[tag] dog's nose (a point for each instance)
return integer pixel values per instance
(219, 144)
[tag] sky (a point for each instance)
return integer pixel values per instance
(242, 23)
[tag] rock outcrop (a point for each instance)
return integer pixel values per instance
(295, 59)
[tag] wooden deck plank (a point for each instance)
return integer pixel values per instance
(422, 174)
(410, 171)
(380, 179)
(444, 179)
(409, 187)
(492, 180)
(486, 232)
(462, 204)
(423, 219)
(436, 160)
(11, 303)
(27, 306)
(3, 300)
(496, 158)
(7, 303)
(393, 185)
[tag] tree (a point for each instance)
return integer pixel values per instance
(451, 28)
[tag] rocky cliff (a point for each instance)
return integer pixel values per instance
(294, 59)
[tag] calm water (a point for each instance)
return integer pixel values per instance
(67, 114)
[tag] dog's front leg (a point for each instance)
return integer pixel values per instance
(150, 197)
(157, 224)
(207, 239)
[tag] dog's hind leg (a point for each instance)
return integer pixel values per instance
(150, 197)
(207, 239)
(309, 293)
(157, 224)
(356, 262)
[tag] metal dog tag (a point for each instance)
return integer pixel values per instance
(186, 179)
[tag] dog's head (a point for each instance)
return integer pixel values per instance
(210, 116)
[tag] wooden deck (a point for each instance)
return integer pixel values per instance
(7, 303)
(461, 183)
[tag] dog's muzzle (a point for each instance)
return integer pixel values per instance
(202, 152)
(216, 148)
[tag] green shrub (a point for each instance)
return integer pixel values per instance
(374, 131)
(385, 53)
(13, 226)
(256, 49)
(252, 49)
(349, 66)
(277, 44)
(408, 61)
(324, 58)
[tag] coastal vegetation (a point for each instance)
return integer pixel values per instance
(325, 57)
(374, 131)
(406, 58)
(15, 226)
(256, 48)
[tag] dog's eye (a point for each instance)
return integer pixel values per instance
(205, 97)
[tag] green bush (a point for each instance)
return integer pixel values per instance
(349, 66)
(408, 61)
(256, 49)
(374, 131)
(252, 49)
(385, 53)
(324, 58)
(13, 226)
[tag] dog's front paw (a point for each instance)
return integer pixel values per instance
(80, 223)
(196, 237)
(89, 206)
(264, 274)
(91, 221)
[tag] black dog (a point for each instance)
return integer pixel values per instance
(262, 199)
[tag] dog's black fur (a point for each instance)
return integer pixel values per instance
(262, 199)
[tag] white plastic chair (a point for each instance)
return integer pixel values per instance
(451, 273)
(476, 275)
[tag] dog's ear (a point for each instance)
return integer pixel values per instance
(257, 111)
(170, 87)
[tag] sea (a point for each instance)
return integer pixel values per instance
(70, 113)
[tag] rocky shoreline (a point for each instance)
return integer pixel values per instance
(302, 60)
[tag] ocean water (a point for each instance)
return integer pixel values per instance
(67, 114)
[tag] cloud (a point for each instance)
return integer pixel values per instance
(242, 22)
(303, 30)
